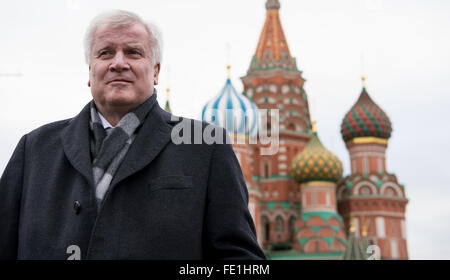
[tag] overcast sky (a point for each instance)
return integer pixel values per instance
(403, 47)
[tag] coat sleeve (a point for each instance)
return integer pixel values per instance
(10, 197)
(229, 231)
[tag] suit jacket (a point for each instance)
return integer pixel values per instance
(166, 201)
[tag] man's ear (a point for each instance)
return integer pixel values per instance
(156, 74)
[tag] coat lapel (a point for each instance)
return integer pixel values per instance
(153, 136)
(75, 139)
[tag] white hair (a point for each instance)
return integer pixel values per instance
(119, 19)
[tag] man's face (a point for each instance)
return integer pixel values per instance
(121, 72)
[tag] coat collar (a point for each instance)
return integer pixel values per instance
(76, 144)
(153, 136)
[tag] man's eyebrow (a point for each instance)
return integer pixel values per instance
(135, 46)
(103, 47)
(108, 46)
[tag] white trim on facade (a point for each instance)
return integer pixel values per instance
(370, 184)
(381, 227)
(397, 189)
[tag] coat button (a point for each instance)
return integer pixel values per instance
(77, 207)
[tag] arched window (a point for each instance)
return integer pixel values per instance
(279, 224)
(390, 192)
(291, 126)
(365, 190)
(266, 170)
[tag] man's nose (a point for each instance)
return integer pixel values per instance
(119, 63)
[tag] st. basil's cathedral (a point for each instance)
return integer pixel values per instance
(302, 205)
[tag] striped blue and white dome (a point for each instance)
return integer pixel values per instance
(232, 111)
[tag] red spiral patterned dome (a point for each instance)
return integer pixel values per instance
(365, 119)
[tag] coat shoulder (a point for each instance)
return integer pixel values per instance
(48, 132)
(174, 120)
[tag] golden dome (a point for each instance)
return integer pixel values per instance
(322, 164)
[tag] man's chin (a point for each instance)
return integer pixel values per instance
(118, 99)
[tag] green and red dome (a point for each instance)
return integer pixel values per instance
(365, 119)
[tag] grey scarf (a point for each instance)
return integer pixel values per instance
(108, 148)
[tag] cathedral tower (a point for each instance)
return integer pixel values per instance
(320, 229)
(371, 195)
(273, 81)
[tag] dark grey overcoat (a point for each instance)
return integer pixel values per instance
(166, 201)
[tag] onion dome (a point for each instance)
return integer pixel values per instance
(316, 163)
(365, 119)
(232, 111)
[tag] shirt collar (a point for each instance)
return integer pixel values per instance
(105, 123)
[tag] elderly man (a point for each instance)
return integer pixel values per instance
(110, 184)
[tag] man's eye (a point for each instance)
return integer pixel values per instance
(134, 52)
(104, 53)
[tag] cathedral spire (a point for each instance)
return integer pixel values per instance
(272, 50)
